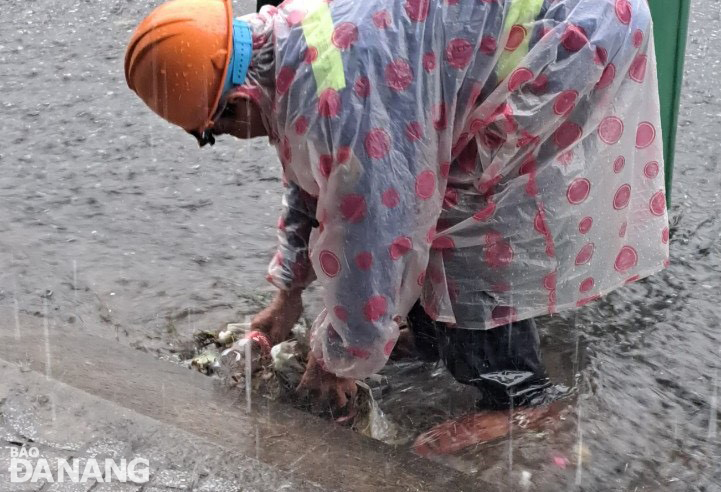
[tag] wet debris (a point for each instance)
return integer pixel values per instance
(277, 371)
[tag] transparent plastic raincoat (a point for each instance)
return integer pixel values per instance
(497, 159)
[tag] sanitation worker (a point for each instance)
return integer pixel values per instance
(461, 165)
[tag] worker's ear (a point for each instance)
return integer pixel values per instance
(237, 105)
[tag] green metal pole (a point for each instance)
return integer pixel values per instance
(670, 18)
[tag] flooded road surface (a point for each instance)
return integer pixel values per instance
(116, 224)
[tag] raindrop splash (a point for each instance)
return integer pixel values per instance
(75, 282)
(48, 358)
(714, 404)
(248, 374)
(16, 313)
(579, 447)
(46, 333)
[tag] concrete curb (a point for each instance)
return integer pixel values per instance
(289, 441)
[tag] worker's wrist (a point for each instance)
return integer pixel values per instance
(292, 294)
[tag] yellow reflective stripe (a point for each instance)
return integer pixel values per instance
(523, 13)
(328, 65)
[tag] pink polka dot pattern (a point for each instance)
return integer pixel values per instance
(445, 169)
(601, 56)
(539, 224)
(607, 77)
(295, 17)
(459, 53)
(344, 35)
(390, 198)
(382, 19)
(343, 155)
(440, 117)
(623, 11)
(565, 102)
(301, 125)
(417, 10)
(311, 54)
(488, 45)
(325, 165)
(398, 75)
(286, 151)
(364, 260)
(358, 353)
(587, 300)
(585, 225)
(632, 279)
(519, 77)
(626, 259)
(565, 158)
(431, 234)
(574, 38)
(637, 38)
(400, 246)
(284, 79)
(329, 263)
(443, 242)
(485, 213)
(414, 131)
(503, 314)
(362, 87)
(549, 281)
(375, 308)
(619, 164)
(567, 134)
(450, 198)
(429, 62)
(539, 84)
(610, 130)
(515, 38)
(585, 254)
(651, 169)
(377, 143)
(578, 191)
(329, 103)
(622, 197)
(353, 208)
(645, 135)
(657, 204)
(388, 348)
(425, 185)
(586, 285)
(637, 72)
(665, 235)
(341, 313)
(497, 252)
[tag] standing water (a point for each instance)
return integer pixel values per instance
(118, 225)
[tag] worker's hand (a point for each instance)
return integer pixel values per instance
(326, 384)
(278, 318)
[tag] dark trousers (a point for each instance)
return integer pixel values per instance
(504, 363)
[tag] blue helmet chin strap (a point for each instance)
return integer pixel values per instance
(240, 57)
(237, 69)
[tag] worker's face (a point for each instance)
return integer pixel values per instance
(241, 118)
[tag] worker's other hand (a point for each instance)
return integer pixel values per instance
(278, 318)
(327, 385)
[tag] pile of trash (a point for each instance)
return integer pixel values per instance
(239, 358)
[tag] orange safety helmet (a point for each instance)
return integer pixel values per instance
(177, 60)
